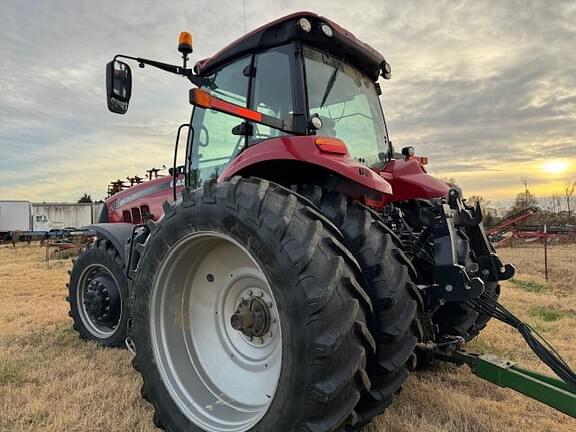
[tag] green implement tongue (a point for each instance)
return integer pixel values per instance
(548, 390)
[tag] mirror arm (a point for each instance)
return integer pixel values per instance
(188, 73)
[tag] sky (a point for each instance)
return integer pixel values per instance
(485, 89)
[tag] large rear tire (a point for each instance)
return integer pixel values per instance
(98, 295)
(205, 364)
(394, 296)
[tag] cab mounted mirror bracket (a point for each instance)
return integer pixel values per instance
(178, 70)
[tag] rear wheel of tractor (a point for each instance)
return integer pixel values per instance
(98, 295)
(394, 296)
(247, 315)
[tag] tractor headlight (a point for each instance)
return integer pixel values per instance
(326, 29)
(305, 25)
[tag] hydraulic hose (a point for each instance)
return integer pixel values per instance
(535, 341)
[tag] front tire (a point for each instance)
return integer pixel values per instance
(225, 245)
(98, 295)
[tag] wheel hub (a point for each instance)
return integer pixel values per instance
(252, 317)
(98, 301)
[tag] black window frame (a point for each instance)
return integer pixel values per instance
(295, 70)
(188, 181)
(390, 148)
(299, 100)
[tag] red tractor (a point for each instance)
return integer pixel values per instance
(307, 266)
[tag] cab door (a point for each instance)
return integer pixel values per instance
(215, 139)
(272, 91)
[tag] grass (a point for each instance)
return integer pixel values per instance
(10, 372)
(549, 313)
(51, 381)
(528, 285)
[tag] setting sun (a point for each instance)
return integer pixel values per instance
(556, 166)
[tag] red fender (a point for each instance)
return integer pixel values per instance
(410, 181)
(304, 149)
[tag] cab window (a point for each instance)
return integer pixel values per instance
(213, 142)
(347, 103)
(272, 91)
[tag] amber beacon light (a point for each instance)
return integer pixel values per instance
(185, 43)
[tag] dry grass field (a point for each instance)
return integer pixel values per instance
(51, 381)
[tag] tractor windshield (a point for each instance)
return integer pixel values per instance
(347, 103)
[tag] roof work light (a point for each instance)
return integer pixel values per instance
(305, 24)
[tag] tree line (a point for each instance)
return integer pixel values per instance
(558, 209)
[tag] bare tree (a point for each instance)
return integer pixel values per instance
(524, 200)
(487, 215)
(524, 181)
(555, 201)
(569, 187)
(552, 203)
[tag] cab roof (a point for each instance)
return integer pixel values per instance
(343, 44)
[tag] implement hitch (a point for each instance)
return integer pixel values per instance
(546, 389)
(458, 233)
(470, 219)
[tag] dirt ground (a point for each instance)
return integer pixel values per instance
(51, 381)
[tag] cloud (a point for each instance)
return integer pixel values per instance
(487, 90)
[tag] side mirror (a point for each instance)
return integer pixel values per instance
(118, 86)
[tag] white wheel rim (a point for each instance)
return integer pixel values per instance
(221, 379)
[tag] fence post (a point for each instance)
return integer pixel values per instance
(545, 252)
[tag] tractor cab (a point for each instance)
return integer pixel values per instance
(299, 73)
(302, 85)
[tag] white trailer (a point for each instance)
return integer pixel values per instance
(15, 216)
(34, 220)
(47, 216)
